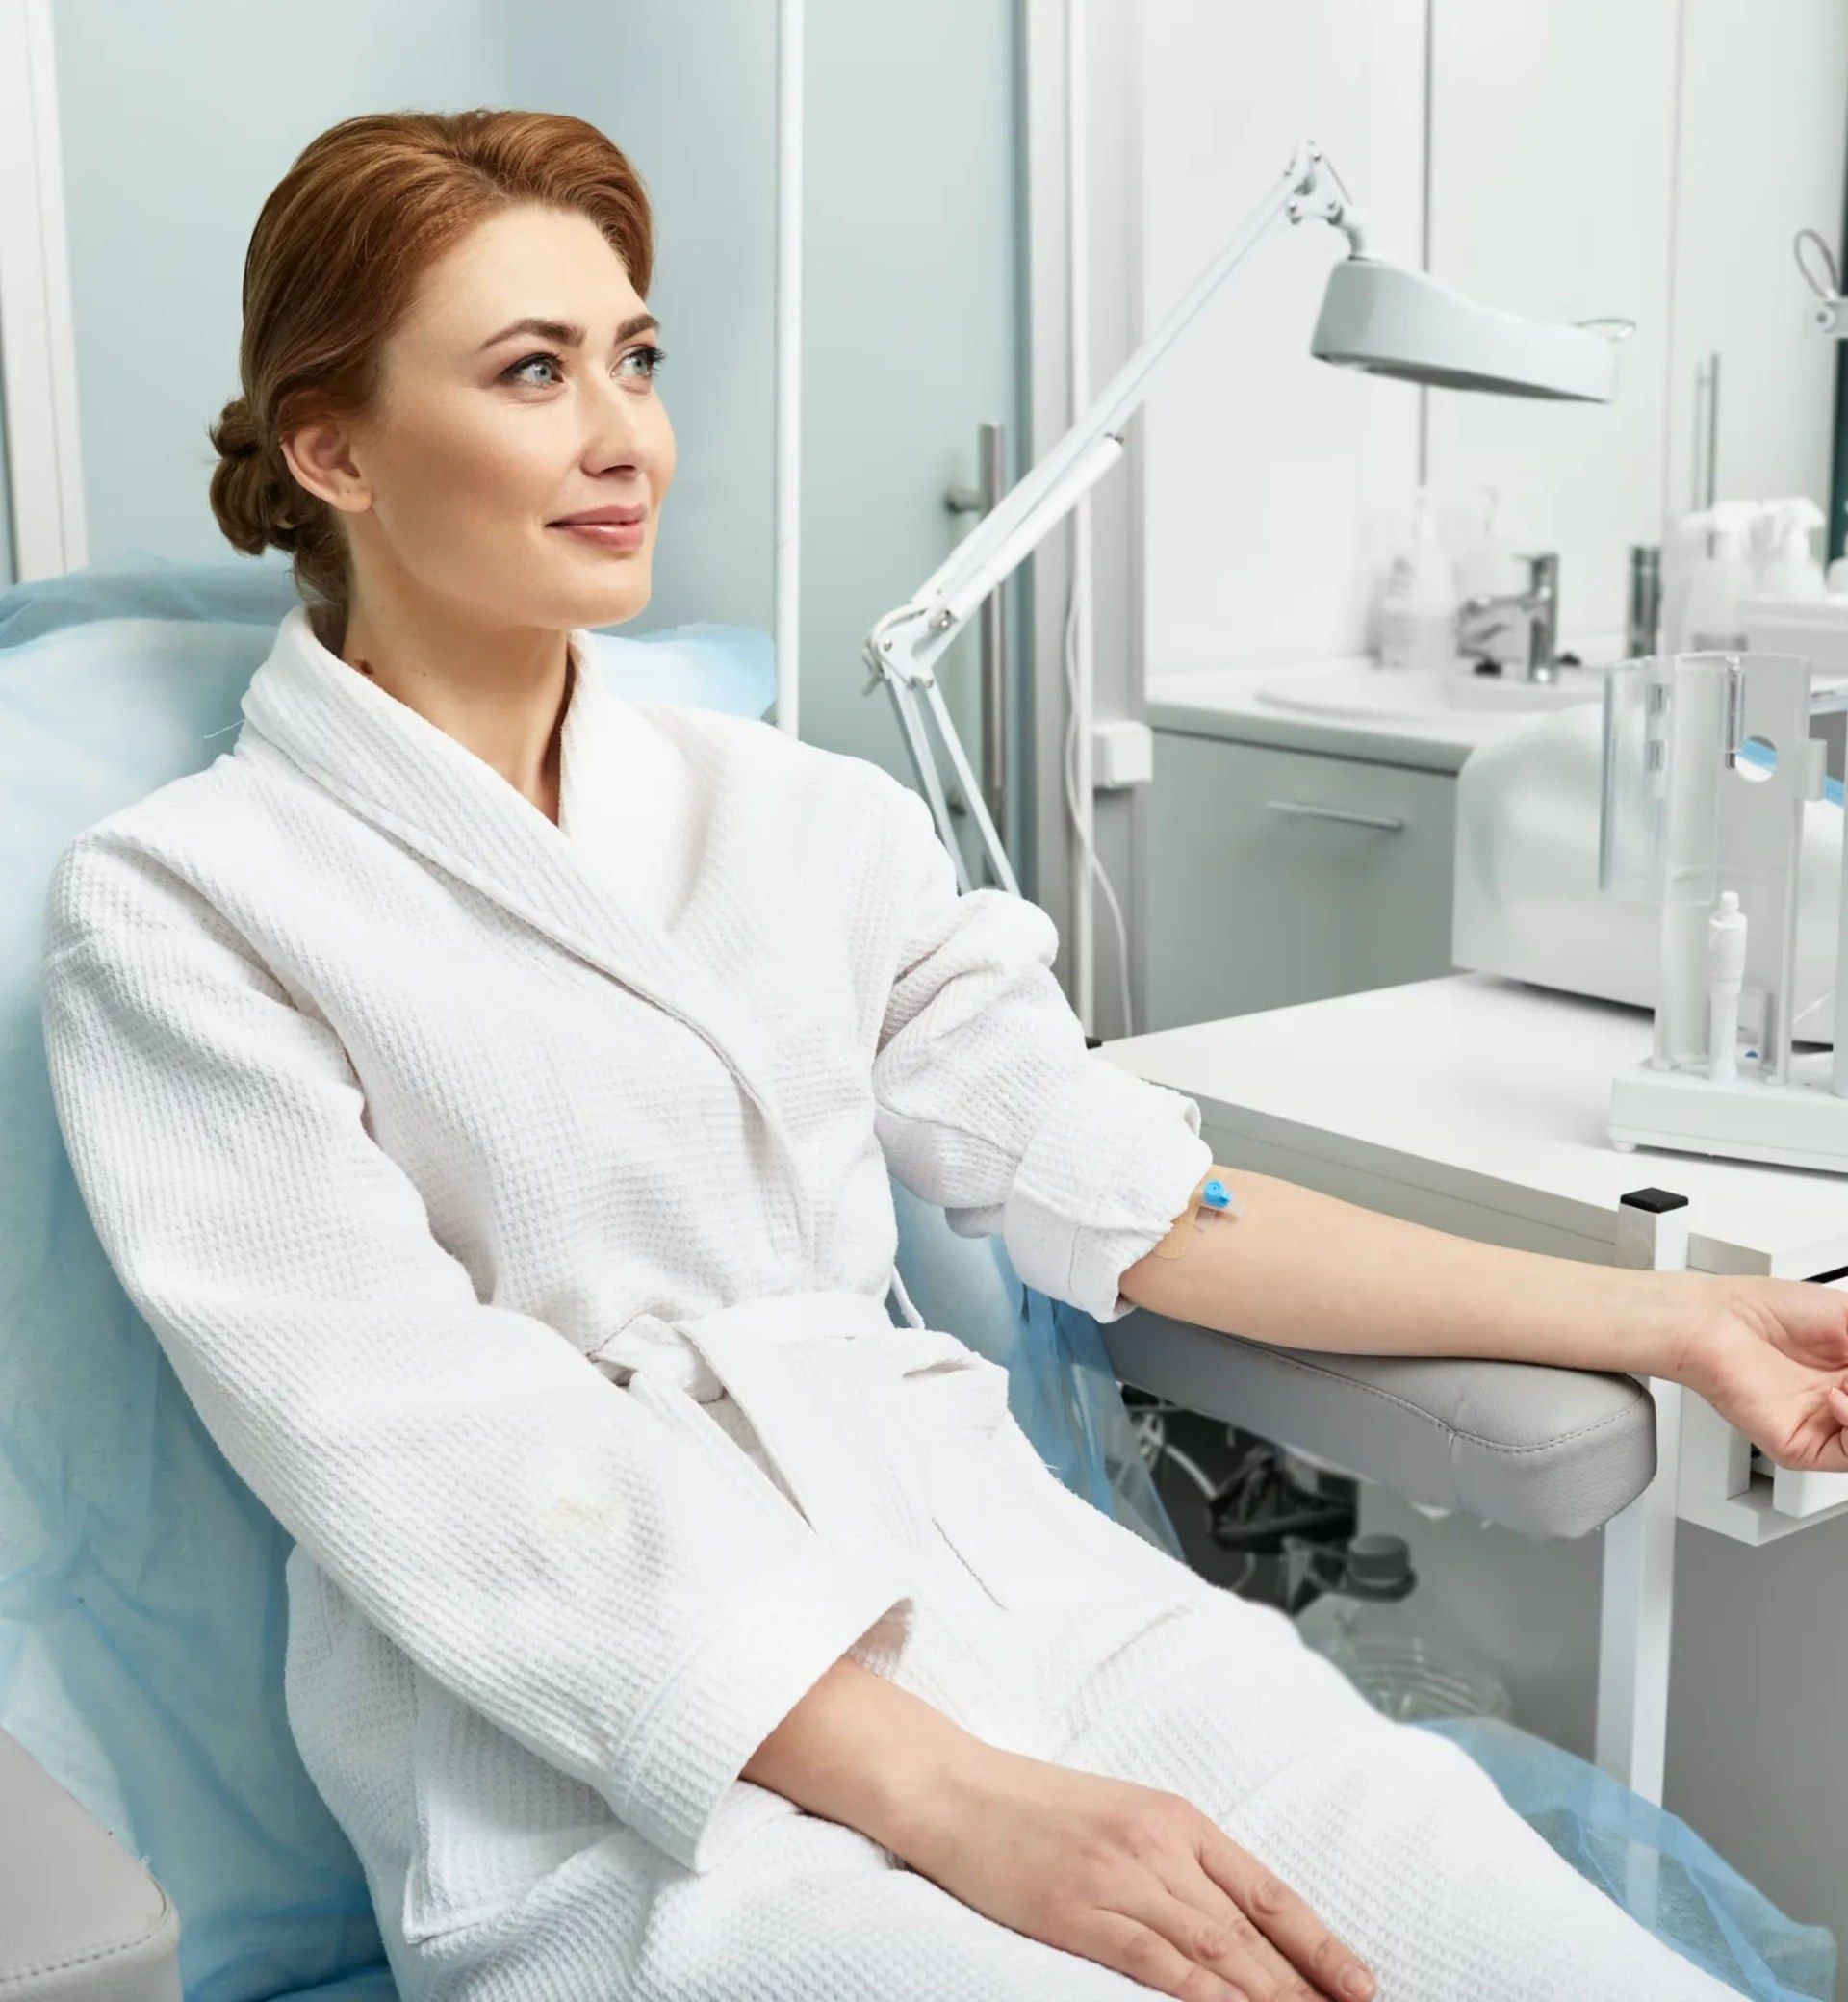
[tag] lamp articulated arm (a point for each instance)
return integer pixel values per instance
(903, 647)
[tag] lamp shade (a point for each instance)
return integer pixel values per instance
(1392, 321)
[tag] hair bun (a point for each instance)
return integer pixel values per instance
(255, 502)
(235, 434)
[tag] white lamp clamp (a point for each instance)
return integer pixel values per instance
(1374, 317)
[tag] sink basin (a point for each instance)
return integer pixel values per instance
(1499, 692)
(1404, 695)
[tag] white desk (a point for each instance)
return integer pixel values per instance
(1479, 1105)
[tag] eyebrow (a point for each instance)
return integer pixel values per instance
(564, 333)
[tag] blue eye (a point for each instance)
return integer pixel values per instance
(651, 355)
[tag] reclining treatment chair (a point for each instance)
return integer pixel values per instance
(146, 1766)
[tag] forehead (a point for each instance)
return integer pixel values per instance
(548, 261)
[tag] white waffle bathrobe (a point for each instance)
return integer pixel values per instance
(512, 1200)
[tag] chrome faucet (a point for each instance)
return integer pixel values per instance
(1479, 619)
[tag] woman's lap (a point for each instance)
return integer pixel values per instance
(1398, 1839)
(1140, 1669)
(1401, 1843)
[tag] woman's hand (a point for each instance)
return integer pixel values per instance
(1771, 1357)
(1131, 1877)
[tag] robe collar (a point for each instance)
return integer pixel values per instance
(414, 782)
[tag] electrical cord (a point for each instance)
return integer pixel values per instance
(1093, 865)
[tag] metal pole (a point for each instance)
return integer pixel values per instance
(1636, 1616)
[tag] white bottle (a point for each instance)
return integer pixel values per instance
(1418, 606)
(1725, 934)
(1780, 536)
(1487, 566)
(1685, 547)
(1717, 579)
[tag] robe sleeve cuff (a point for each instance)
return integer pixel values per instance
(1110, 1165)
(678, 1783)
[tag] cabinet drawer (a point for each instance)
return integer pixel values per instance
(1280, 876)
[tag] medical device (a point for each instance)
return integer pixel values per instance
(1708, 769)
(1212, 1198)
(1375, 316)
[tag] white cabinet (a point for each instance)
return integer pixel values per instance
(1282, 875)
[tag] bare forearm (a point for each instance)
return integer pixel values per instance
(1307, 1270)
(858, 1749)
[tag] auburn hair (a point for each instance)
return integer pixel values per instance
(333, 263)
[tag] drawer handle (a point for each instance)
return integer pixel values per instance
(1388, 823)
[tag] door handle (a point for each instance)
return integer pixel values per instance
(1309, 809)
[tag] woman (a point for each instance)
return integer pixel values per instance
(487, 1089)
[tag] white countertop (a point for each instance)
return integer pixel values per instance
(1345, 705)
(1496, 1094)
(1229, 700)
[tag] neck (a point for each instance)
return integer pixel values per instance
(501, 692)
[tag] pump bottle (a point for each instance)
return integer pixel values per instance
(1418, 605)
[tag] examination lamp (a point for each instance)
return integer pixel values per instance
(1374, 316)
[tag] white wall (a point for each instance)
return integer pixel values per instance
(1552, 171)
(1643, 158)
(1272, 479)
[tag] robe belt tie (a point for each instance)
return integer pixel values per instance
(815, 1374)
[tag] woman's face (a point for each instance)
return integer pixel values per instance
(484, 438)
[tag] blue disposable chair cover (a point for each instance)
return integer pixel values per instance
(1700, 1906)
(142, 1602)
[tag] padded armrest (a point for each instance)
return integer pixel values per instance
(1549, 1451)
(80, 1920)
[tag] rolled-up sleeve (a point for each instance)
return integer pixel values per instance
(620, 1603)
(988, 1101)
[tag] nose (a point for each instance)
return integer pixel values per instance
(623, 433)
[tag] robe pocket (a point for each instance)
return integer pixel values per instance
(492, 1818)
(1028, 1540)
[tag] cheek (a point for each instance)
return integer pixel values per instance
(459, 476)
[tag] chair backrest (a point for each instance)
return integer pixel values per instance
(142, 1614)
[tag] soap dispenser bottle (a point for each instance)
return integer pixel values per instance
(1718, 578)
(1418, 605)
(1781, 534)
(1487, 566)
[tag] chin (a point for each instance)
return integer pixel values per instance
(620, 599)
(621, 606)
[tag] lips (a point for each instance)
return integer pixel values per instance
(605, 516)
(602, 534)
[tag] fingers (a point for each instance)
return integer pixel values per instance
(1278, 1911)
(1838, 1414)
(1113, 1939)
(1222, 1939)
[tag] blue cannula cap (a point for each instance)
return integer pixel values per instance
(1216, 1193)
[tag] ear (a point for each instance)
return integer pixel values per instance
(320, 455)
